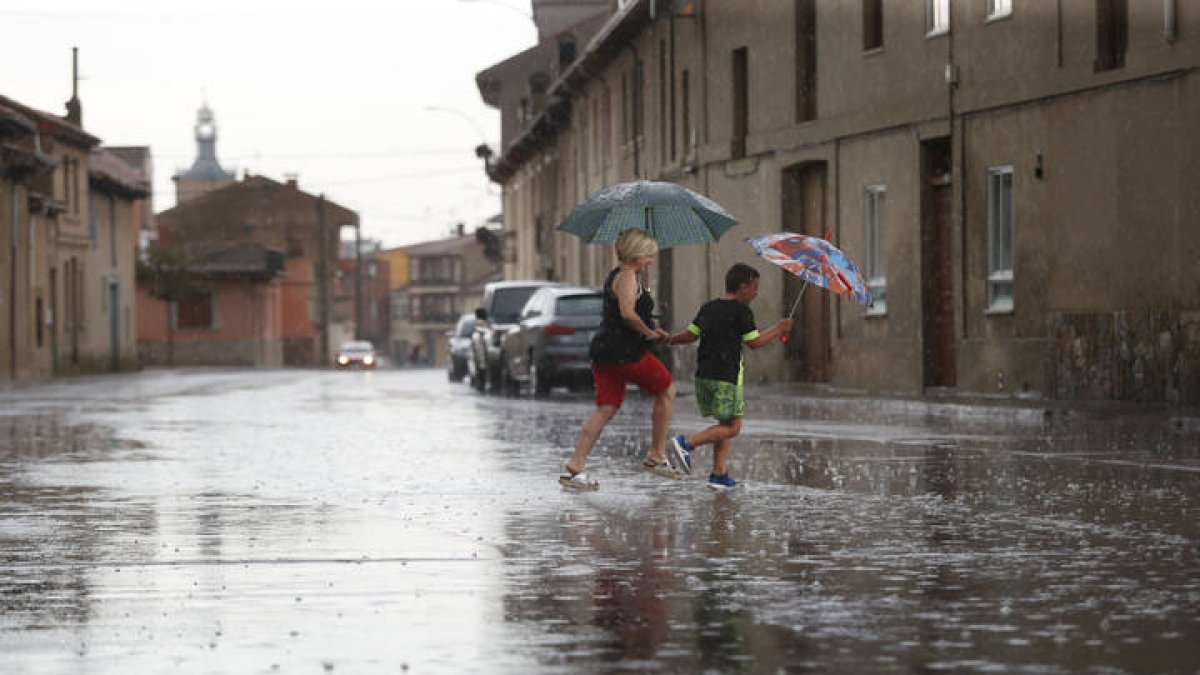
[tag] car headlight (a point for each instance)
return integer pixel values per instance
(342, 359)
(368, 360)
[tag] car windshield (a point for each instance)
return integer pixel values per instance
(580, 305)
(507, 304)
(465, 326)
(357, 347)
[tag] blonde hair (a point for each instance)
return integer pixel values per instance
(635, 243)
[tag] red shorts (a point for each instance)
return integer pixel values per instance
(648, 373)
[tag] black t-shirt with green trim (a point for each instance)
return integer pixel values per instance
(722, 325)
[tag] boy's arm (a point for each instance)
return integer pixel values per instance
(684, 337)
(768, 336)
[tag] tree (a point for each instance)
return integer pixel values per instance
(168, 269)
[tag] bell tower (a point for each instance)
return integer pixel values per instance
(206, 173)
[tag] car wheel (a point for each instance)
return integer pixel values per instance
(508, 386)
(478, 380)
(539, 384)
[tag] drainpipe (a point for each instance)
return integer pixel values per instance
(12, 284)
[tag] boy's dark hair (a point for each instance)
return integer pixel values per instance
(739, 274)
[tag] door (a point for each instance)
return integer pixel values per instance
(114, 322)
(937, 279)
(54, 320)
(807, 354)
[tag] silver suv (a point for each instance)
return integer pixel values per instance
(494, 320)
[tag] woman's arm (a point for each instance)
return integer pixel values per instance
(626, 289)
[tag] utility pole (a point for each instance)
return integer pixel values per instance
(322, 283)
(358, 262)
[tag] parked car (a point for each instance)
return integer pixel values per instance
(549, 348)
(494, 319)
(356, 354)
(459, 341)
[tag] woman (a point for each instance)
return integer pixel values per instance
(620, 355)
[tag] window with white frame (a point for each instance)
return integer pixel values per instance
(1000, 239)
(997, 9)
(937, 16)
(876, 268)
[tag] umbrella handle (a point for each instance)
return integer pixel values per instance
(783, 338)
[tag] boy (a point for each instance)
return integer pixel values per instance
(723, 325)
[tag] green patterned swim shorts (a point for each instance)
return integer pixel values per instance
(719, 399)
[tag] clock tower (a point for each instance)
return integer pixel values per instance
(206, 173)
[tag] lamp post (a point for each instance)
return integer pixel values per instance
(483, 150)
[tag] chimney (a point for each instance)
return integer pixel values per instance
(461, 229)
(74, 107)
(293, 180)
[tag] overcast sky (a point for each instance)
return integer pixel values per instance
(335, 92)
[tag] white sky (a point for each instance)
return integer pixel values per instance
(336, 92)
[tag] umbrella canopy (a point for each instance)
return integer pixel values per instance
(672, 214)
(816, 261)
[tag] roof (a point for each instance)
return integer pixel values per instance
(52, 125)
(109, 173)
(450, 246)
(248, 259)
(603, 48)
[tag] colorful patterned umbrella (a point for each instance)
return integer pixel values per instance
(671, 213)
(814, 260)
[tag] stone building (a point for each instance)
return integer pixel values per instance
(256, 231)
(1019, 180)
(66, 271)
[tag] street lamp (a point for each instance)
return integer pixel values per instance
(483, 150)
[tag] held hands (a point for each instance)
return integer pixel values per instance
(660, 335)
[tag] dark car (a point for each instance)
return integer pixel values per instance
(356, 354)
(459, 343)
(549, 348)
(494, 319)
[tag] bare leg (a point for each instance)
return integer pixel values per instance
(588, 435)
(721, 455)
(721, 431)
(660, 420)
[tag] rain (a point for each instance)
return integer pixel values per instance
(191, 519)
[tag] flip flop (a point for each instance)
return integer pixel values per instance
(663, 469)
(578, 481)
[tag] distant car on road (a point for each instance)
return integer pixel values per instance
(549, 348)
(494, 319)
(459, 341)
(356, 354)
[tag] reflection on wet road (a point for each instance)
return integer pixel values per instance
(369, 522)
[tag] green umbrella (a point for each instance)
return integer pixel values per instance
(671, 213)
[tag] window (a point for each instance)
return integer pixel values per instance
(741, 103)
(1000, 239)
(1112, 34)
(872, 24)
(876, 272)
(195, 312)
(685, 112)
(997, 9)
(937, 17)
(806, 60)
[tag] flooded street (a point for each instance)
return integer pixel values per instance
(303, 521)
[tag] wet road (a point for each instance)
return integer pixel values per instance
(308, 522)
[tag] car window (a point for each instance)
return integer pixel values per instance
(357, 347)
(465, 326)
(507, 304)
(579, 305)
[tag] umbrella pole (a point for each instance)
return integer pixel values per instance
(798, 299)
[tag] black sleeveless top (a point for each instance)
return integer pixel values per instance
(617, 342)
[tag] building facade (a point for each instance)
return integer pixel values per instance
(261, 230)
(66, 271)
(1018, 180)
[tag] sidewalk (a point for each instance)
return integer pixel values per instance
(947, 407)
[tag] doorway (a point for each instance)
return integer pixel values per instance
(937, 279)
(807, 354)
